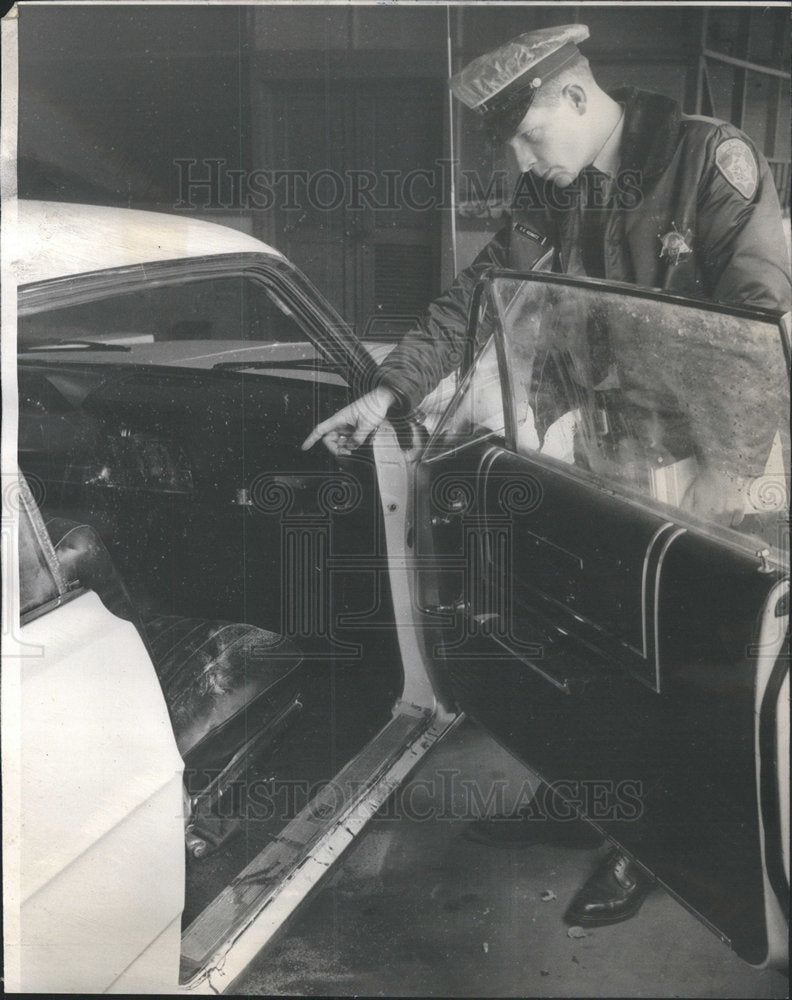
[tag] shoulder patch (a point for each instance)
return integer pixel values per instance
(737, 163)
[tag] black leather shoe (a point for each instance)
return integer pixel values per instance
(614, 892)
(521, 829)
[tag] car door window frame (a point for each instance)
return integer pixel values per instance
(745, 543)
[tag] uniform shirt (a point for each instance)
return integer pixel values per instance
(608, 159)
(599, 180)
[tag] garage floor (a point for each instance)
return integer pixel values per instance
(418, 910)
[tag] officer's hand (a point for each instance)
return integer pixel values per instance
(349, 428)
(717, 496)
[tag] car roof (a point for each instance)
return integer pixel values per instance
(56, 239)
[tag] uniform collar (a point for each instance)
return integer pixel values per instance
(651, 130)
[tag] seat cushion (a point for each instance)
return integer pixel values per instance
(222, 681)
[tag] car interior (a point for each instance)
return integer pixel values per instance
(254, 572)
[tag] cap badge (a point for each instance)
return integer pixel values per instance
(675, 246)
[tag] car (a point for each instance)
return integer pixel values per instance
(231, 652)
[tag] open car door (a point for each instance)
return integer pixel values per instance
(603, 547)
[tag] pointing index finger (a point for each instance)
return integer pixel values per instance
(331, 424)
(312, 438)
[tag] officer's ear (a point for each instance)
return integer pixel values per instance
(575, 96)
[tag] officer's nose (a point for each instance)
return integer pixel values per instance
(525, 159)
(526, 162)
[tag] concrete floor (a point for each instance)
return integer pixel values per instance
(417, 910)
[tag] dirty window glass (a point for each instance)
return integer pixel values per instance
(686, 407)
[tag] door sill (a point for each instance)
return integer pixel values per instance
(224, 938)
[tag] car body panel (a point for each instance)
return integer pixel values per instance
(55, 239)
(102, 803)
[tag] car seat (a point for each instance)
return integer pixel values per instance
(231, 688)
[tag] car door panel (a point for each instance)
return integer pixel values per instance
(591, 571)
(602, 633)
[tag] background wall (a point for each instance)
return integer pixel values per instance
(123, 105)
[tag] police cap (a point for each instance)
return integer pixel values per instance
(509, 76)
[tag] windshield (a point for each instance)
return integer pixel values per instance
(229, 308)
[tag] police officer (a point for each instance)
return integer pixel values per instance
(621, 186)
(680, 202)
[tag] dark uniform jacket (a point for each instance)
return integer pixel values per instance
(669, 183)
